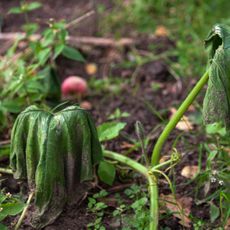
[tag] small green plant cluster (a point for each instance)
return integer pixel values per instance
(9, 206)
(127, 216)
(97, 208)
(212, 183)
(27, 71)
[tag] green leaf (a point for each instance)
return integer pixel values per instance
(58, 50)
(72, 54)
(110, 130)
(3, 197)
(33, 6)
(44, 55)
(214, 212)
(106, 172)
(3, 227)
(12, 106)
(15, 10)
(12, 209)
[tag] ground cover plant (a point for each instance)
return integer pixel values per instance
(154, 194)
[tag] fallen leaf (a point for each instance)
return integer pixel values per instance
(189, 171)
(91, 68)
(161, 31)
(181, 207)
(164, 158)
(86, 105)
(184, 124)
(227, 225)
(126, 145)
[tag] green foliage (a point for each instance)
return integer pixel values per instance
(9, 206)
(25, 7)
(118, 114)
(214, 179)
(109, 130)
(106, 172)
(54, 153)
(139, 218)
(28, 73)
(72, 53)
(97, 208)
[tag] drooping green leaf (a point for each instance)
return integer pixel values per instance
(55, 153)
(73, 54)
(106, 172)
(110, 130)
(217, 99)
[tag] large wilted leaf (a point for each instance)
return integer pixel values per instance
(217, 99)
(55, 153)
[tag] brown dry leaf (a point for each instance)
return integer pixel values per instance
(181, 207)
(191, 108)
(91, 68)
(86, 105)
(227, 225)
(161, 31)
(184, 124)
(164, 158)
(189, 171)
(227, 150)
(126, 145)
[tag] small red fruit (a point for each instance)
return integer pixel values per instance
(73, 85)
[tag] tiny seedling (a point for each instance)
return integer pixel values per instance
(97, 208)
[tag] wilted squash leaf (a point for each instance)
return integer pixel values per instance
(216, 106)
(55, 153)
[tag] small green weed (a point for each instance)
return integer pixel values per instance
(98, 209)
(9, 206)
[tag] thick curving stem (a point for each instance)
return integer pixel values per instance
(153, 188)
(176, 118)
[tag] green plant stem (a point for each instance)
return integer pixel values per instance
(154, 201)
(4, 170)
(127, 161)
(24, 211)
(176, 118)
(152, 180)
(168, 162)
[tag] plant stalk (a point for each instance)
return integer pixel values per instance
(24, 211)
(7, 171)
(152, 180)
(176, 118)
